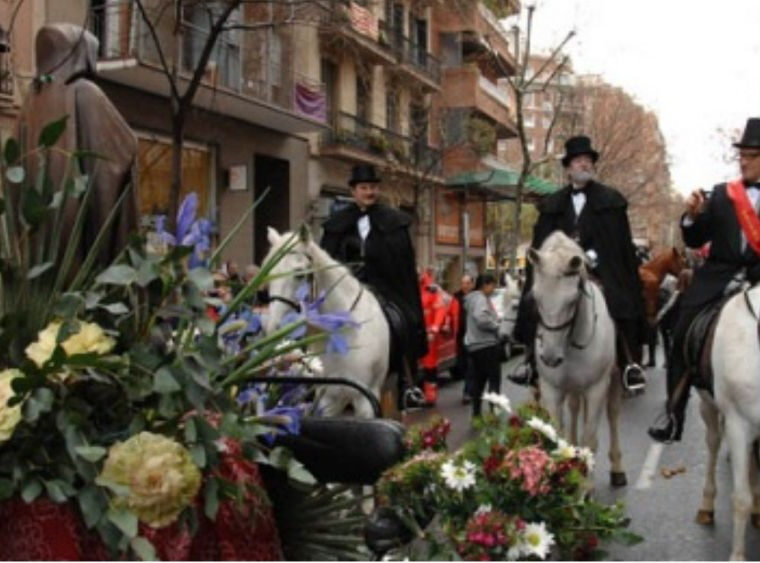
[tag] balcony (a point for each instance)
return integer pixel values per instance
(270, 94)
(356, 140)
(357, 25)
(6, 77)
(416, 62)
(481, 32)
(467, 87)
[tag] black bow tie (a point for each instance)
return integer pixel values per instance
(578, 191)
(754, 185)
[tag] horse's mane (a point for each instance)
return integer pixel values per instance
(558, 249)
(320, 257)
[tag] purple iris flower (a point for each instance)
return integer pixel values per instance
(332, 323)
(190, 232)
(285, 420)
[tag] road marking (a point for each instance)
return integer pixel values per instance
(650, 466)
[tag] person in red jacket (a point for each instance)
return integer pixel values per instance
(435, 310)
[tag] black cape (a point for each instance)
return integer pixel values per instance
(385, 261)
(602, 226)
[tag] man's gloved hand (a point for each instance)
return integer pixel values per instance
(593, 259)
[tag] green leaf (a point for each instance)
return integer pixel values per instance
(12, 151)
(299, 473)
(68, 305)
(90, 453)
(147, 272)
(191, 433)
(143, 549)
(45, 398)
(33, 207)
(117, 488)
(198, 453)
(164, 382)
(202, 278)
(211, 499)
(15, 174)
(125, 520)
(52, 132)
(117, 308)
(120, 274)
(93, 504)
(31, 491)
(39, 269)
(55, 491)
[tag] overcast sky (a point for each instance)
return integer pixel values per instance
(695, 63)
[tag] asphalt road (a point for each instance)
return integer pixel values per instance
(661, 510)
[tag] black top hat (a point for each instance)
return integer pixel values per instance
(577, 146)
(363, 173)
(751, 137)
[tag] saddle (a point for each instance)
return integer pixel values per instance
(401, 336)
(698, 344)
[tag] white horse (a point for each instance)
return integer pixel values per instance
(734, 409)
(367, 359)
(575, 344)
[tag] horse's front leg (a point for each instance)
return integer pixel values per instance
(711, 418)
(552, 399)
(754, 480)
(614, 403)
(573, 407)
(595, 398)
(739, 441)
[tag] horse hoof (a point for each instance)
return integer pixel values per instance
(618, 479)
(755, 519)
(707, 517)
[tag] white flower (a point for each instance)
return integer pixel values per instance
(458, 477)
(501, 401)
(484, 509)
(314, 366)
(537, 540)
(515, 553)
(544, 427)
(565, 450)
(587, 456)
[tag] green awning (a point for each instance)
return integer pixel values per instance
(500, 183)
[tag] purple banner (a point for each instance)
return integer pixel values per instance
(311, 103)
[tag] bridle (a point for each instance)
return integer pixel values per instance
(570, 323)
(311, 280)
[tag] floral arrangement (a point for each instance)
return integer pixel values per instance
(516, 491)
(118, 393)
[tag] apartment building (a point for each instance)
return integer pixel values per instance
(245, 132)
(476, 113)
(381, 75)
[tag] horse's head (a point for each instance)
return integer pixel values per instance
(292, 251)
(559, 275)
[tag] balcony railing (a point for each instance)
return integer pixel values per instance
(416, 56)
(499, 94)
(6, 75)
(123, 35)
(351, 131)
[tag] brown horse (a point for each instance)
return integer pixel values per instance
(651, 273)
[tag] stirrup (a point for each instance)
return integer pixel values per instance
(413, 397)
(630, 369)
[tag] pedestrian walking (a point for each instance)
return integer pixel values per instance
(462, 368)
(482, 340)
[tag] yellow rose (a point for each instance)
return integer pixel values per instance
(9, 416)
(42, 350)
(159, 473)
(89, 340)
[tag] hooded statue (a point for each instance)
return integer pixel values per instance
(66, 60)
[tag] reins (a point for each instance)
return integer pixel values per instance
(571, 321)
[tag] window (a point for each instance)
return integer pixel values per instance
(529, 120)
(329, 74)
(391, 109)
(154, 165)
(546, 121)
(451, 50)
(362, 99)
(224, 65)
(531, 145)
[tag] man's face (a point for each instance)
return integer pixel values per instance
(365, 193)
(581, 169)
(749, 163)
(488, 288)
(467, 284)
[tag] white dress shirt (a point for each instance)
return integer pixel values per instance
(364, 226)
(579, 201)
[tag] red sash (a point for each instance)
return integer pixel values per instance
(745, 213)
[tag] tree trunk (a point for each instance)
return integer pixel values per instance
(178, 137)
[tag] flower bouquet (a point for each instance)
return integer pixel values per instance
(121, 398)
(517, 491)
